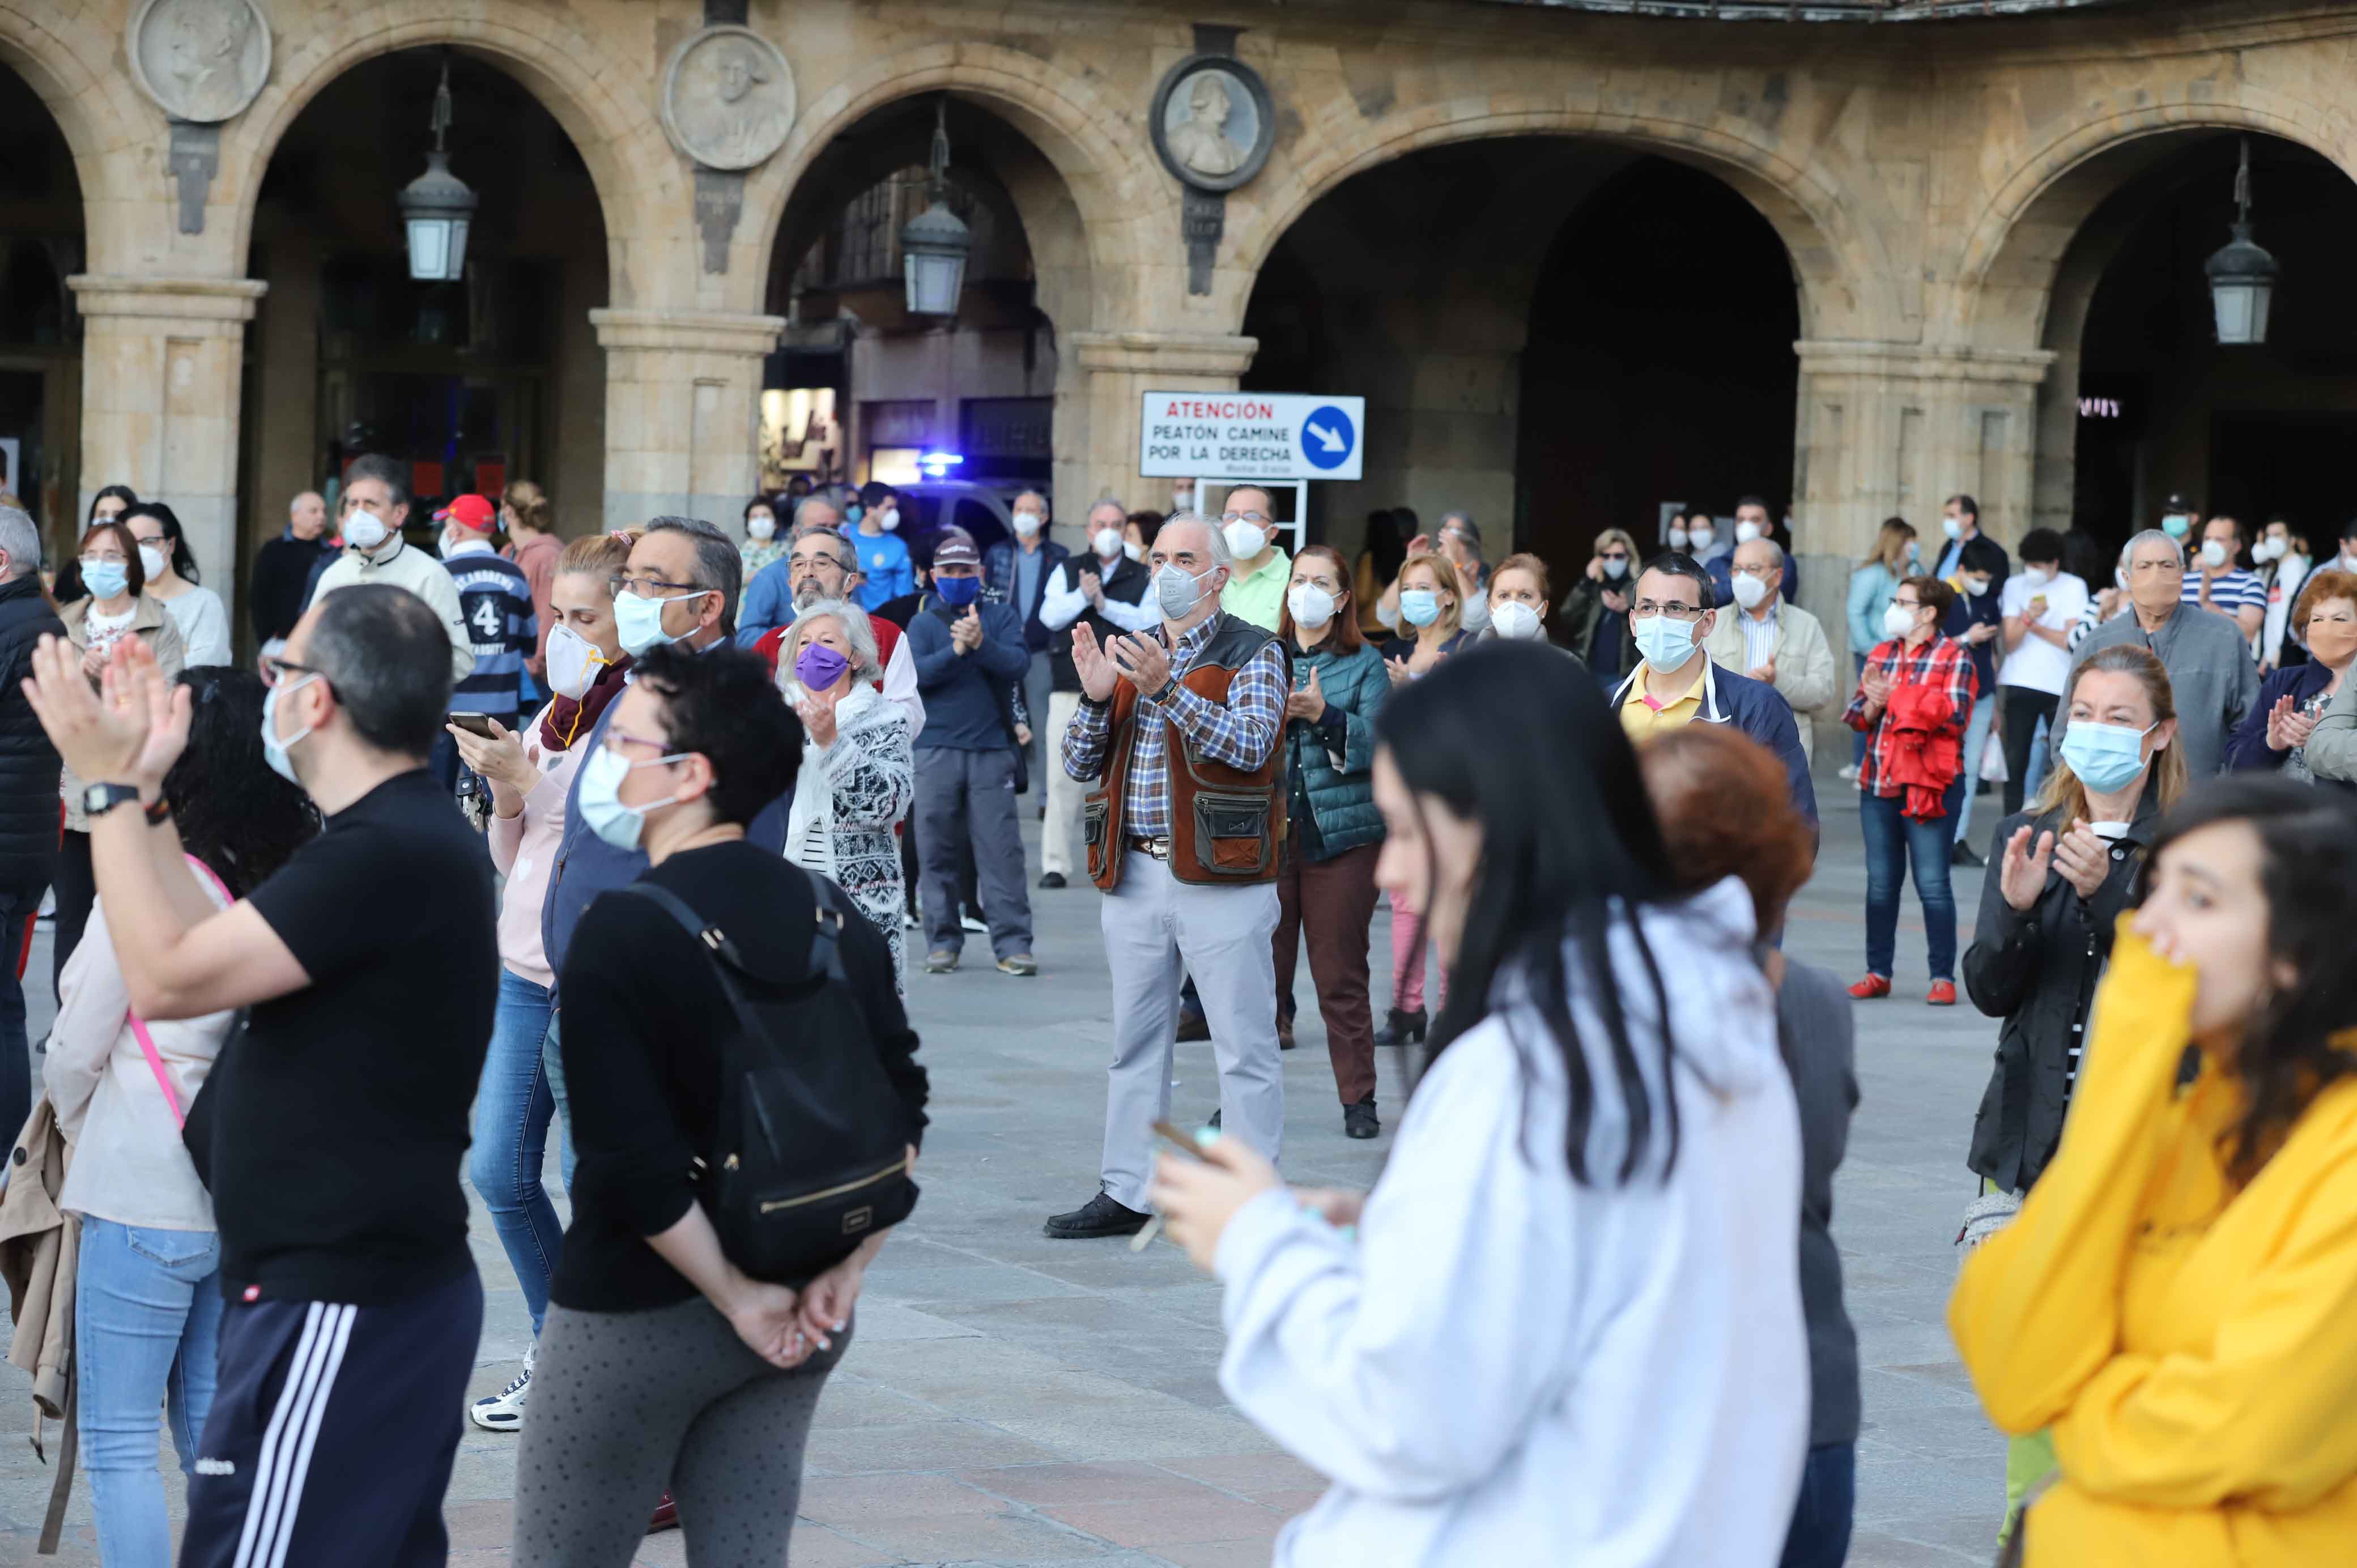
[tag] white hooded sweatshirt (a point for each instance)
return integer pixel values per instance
(1507, 1367)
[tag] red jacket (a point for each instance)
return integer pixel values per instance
(1925, 753)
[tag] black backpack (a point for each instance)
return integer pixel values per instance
(812, 1152)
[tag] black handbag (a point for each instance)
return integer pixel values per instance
(812, 1155)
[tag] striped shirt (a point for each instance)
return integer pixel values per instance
(2230, 590)
(495, 604)
(1240, 734)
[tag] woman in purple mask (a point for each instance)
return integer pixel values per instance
(858, 775)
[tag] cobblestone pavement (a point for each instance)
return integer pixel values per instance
(1016, 1401)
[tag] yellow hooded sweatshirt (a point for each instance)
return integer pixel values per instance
(2194, 1346)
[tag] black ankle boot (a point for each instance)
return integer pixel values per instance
(1401, 1027)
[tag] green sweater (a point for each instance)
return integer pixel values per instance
(1330, 764)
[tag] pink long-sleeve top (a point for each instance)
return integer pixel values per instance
(524, 848)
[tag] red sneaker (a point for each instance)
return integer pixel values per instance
(666, 1515)
(1944, 993)
(1875, 985)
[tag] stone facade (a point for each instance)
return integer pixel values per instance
(1925, 180)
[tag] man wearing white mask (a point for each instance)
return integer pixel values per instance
(376, 504)
(1751, 524)
(1187, 856)
(2216, 580)
(1677, 681)
(1105, 590)
(2283, 567)
(883, 555)
(1014, 572)
(1960, 520)
(1772, 641)
(1255, 590)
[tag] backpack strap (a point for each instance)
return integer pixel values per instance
(826, 945)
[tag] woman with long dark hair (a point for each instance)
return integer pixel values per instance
(1568, 1327)
(148, 1305)
(2173, 1301)
(174, 581)
(110, 503)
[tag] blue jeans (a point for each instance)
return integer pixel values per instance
(148, 1313)
(512, 1114)
(17, 907)
(1976, 731)
(1892, 839)
(551, 1063)
(1820, 1515)
(1857, 736)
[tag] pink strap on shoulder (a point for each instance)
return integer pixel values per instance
(139, 1025)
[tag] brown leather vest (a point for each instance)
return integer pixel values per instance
(1226, 823)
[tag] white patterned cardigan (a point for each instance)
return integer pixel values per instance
(848, 798)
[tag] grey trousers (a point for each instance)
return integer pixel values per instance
(1155, 926)
(968, 797)
(624, 1404)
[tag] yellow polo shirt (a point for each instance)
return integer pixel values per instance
(1642, 720)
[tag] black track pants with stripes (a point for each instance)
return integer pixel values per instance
(332, 1432)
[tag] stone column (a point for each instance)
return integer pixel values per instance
(1100, 380)
(683, 412)
(162, 361)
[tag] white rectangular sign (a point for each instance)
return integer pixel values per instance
(1251, 435)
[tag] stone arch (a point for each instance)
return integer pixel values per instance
(74, 65)
(1846, 282)
(2006, 268)
(1091, 230)
(641, 185)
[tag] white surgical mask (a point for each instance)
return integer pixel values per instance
(1699, 538)
(1135, 551)
(1899, 620)
(1679, 539)
(2036, 577)
(1312, 606)
(638, 621)
(2213, 555)
(277, 752)
(2269, 550)
(152, 561)
(888, 518)
(1745, 533)
(1750, 590)
(760, 526)
(1514, 620)
(1026, 524)
(1246, 540)
(1107, 543)
(365, 530)
(1664, 644)
(600, 798)
(1177, 591)
(573, 661)
(1615, 567)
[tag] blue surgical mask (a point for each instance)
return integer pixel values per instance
(105, 579)
(1664, 644)
(638, 622)
(274, 751)
(2176, 525)
(1419, 606)
(2105, 757)
(600, 798)
(957, 592)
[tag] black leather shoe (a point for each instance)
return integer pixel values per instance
(1285, 1031)
(1359, 1120)
(1401, 1028)
(1054, 879)
(1101, 1216)
(1193, 1026)
(1964, 855)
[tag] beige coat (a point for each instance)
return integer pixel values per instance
(149, 619)
(40, 1247)
(1804, 661)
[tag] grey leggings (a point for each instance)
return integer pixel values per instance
(626, 1403)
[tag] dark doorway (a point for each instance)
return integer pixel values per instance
(2292, 466)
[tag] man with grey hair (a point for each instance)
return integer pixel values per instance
(2211, 674)
(822, 565)
(28, 791)
(284, 568)
(1186, 856)
(769, 597)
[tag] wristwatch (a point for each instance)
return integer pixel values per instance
(97, 799)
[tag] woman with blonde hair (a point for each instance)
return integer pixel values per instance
(1432, 609)
(1872, 586)
(2067, 866)
(529, 772)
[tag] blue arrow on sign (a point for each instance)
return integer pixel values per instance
(1328, 436)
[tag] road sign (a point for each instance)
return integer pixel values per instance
(1250, 435)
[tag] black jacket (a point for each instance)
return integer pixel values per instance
(2037, 971)
(1582, 613)
(28, 763)
(1126, 583)
(281, 586)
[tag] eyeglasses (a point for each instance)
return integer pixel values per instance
(1757, 571)
(1909, 604)
(274, 669)
(618, 737)
(648, 587)
(1244, 517)
(1670, 608)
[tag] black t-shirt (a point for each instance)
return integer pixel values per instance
(340, 1118)
(644, 1017)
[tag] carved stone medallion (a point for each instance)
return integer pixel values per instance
(727, 98)
(201, 61)
(1212, 121)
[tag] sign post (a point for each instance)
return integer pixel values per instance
(1281, 440)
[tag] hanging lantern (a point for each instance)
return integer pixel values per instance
(2242, 275)
(934, 243)
(438, 208)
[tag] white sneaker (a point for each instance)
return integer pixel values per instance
(1848, 774)
(968, 922)
(908, 920)
(504, 1411)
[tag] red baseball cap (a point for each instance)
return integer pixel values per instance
(469, 511)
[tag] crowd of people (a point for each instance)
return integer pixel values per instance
(649, 818)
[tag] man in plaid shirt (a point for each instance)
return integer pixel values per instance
(1155, 922)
